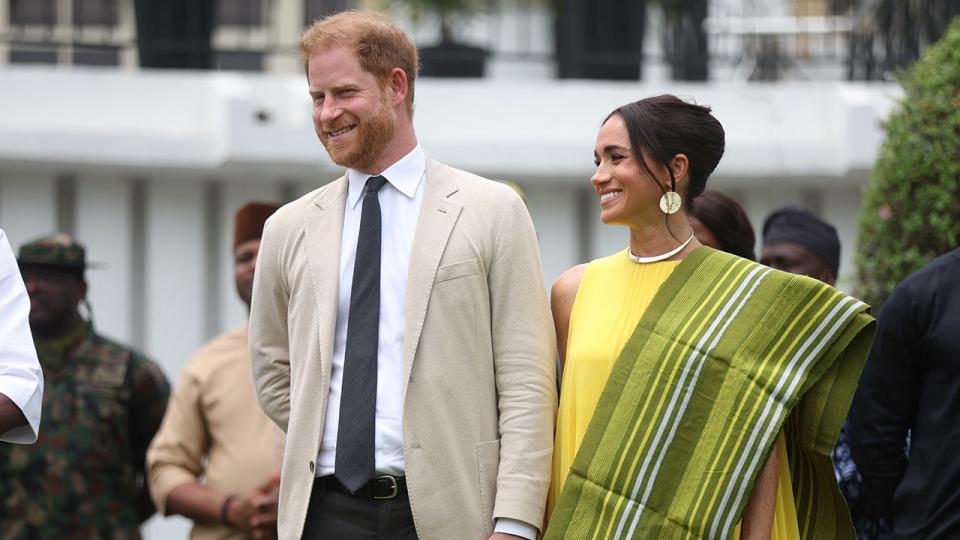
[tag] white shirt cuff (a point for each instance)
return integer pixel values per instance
(24, 387)
(516, 527)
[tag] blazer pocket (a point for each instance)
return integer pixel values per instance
(458, 270)
(488, 462)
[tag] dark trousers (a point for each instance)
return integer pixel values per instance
(333, 515)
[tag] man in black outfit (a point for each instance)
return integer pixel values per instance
(911, 384)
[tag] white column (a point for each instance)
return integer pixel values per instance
(63, 10)
(4, 29)
(554, 213)
(126, 32)
(287, 24)
(175, 310)
(175, 268)
(841, 207)
(103, 221)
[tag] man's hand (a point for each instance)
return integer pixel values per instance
(256, 511)
(505, 536)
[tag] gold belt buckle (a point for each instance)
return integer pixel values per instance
(394, 486)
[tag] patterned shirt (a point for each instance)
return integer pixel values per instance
(851, 486)
(83, 478)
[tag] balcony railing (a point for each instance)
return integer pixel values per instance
(520, 37)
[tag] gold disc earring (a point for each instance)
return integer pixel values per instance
(670, 202)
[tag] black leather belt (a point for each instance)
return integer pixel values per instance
(383, 487)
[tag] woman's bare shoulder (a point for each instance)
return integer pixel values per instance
(565, 287)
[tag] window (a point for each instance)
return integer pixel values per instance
(96, 12)
(34, 42)
(31, 54)
(23, 12)
(96, 55)
(239, 61)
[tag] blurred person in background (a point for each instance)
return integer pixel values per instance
(800, 242)
(400, 332)
(911, 386)
(718, 221)
(103, 401)
(21, 380)
(212, 460)
(690, 390)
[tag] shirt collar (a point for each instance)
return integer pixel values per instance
(404, 176)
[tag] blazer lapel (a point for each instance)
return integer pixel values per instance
(438, 215)
(323, 228)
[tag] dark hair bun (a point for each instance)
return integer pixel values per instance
(665, 126)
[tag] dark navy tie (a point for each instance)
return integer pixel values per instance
(358, 394)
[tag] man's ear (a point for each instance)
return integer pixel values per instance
(398, 86)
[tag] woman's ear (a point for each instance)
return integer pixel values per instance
(679, 166)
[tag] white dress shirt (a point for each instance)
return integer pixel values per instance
(21, 378)
(400, 201)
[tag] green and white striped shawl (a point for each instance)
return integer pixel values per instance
(729, 354)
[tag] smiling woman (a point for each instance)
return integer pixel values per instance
(665, 165)
(678, 385)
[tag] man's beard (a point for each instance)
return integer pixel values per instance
(52, 322)
(371, 139)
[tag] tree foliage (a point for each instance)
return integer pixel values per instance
(912, 206)
(889, 35)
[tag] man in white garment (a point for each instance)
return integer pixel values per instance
(21, 379)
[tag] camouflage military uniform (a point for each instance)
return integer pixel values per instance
(83, 477)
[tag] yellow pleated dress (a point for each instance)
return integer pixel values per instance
(614, 293)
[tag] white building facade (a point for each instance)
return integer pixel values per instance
(147, 167)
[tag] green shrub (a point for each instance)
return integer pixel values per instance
(911, 210)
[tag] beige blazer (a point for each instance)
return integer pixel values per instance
(480, 383)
